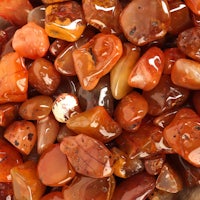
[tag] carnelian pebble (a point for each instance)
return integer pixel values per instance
(180, 17)
(138, 186)
(130, 111)
(96, 123)
(169, 180)
(188, 73)
(188, 42)
(22, 135)
(8, 113)
(165, 96)
(65, 21)
(14, 79)
(15, 11)
(183, 135)
(143, 21)
(26, 184)
(96, 58)
(171, 56)
(122, 69)
(54, 168)
(43, 76)
(9, 158)
(36, 107)
(194, 5)
(47, 131)
(31, 41)
(88, 156)
(148, 70)
(84, 187)
(103, 15)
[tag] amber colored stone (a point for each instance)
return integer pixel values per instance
(189, 173)
(96, 58)
(194, 5)
(15, 11)
(138, 186)
(84, 187)
(31, 41)
(171, 56)
(100, 96)
(43, 76)
(143, 142)
(9, 158)
(122, 69)
(64, 61)
(54, 168)
(169, 180)
(14, 80)
(36, 107)
(22, 135)
(130, 111)
(57, 46)
(103, 15)
(188, 73)
(96, 123)
(180, 17)
(188, 42)
(65, 21)
(144, 21)
(88, 156)
(154, 164)
(47, 131)
(148, 70)
(183, 135)
(165, 118)
(125, 166)
(8, 113)
(165, 96)
(37, 15)
(26, 183)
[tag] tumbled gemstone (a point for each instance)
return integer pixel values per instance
(189, 42)
(180, 17)
(53, 167)
(165, 96)
(25, 179)
(96, 58)
(64, 21)
(96, 123)
(169, 180)
(188, 73)
(122, 69)
(194, 6)
(43, 76)
(103, 15)
(144, 21)
(183, 135)
(36, 107)
(99, 96)
(147, 71)
(37, 15)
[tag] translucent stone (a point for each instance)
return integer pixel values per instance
(122, 69)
